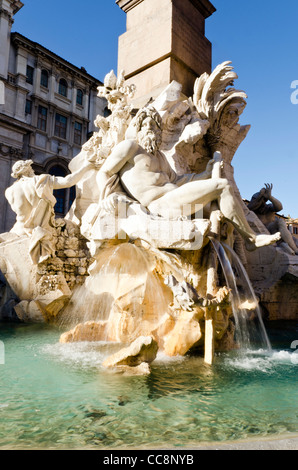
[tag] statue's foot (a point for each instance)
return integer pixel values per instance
(262, 240)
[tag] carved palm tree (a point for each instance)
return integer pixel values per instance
(221, 104)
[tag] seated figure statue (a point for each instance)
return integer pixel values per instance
(146, 176)
(31, 198)
(267, 214)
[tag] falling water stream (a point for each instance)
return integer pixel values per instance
(249, 291)
(244, 303)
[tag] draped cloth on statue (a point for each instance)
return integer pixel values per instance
(130, 219)
(40, 222)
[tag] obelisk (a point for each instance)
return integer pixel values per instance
(164, 41)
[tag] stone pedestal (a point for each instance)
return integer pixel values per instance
(165, 41)
(37, 302)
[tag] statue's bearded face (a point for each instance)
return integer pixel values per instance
(149, 137)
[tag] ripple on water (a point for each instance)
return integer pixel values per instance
(263, 360)
(83, 354)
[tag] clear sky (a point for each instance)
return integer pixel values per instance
(260, 37)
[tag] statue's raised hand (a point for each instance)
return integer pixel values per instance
(109, 204)
(268, 190)
(114, 203)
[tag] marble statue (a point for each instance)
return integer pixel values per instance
(267, 214)
(146, 177)
(31, 198)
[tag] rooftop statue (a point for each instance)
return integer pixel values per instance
(267, 214)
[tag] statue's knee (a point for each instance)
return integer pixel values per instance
(281, 224)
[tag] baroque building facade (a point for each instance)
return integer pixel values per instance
(293, 226)
(47, 110)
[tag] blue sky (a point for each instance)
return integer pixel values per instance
(259, 37)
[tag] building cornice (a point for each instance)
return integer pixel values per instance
(12, 122)
(42, 52)
(16, 5)
(204, 6)
(127, 5)
(7, 15)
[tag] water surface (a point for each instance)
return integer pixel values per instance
(58, 396)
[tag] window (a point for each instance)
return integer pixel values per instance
(295, 230)
(62, 87)
(60, 126)
(60, 194)
(28, 108)
(72, 195)
(29, 74)
(42, 118)
(64, 197)
(80, 97)
(44, 79)
(77, 138)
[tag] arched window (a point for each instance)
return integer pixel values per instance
(64, 197)
(44, 78)
(62, 87)
(80, 97)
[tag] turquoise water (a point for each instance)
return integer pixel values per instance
(58, 396)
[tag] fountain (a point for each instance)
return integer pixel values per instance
(136, 262)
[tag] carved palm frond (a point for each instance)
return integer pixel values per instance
(212, 93)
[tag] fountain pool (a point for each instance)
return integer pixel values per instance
(57, 396)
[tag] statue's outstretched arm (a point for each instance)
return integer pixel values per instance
(276, 204)
(120, 155)
(73, 178)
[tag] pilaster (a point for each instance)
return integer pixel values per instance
(8, 8)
